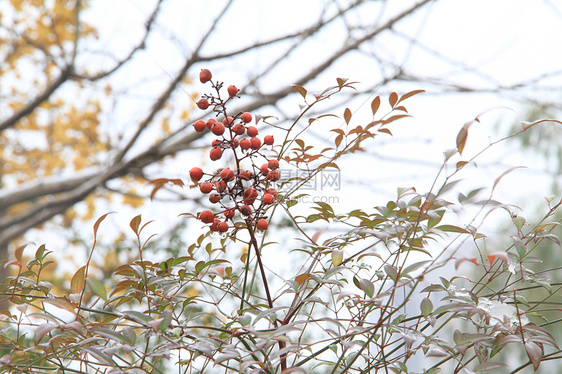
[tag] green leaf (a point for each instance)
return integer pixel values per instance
(337, 257)
(453, 228)
(367, 286)
(97, 287)
(426, 307)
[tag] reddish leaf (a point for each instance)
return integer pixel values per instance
(98, 222)
(135, 223)
(347, 115)
(300, 90)
(410, 94)
(393, 99)
(375, 104)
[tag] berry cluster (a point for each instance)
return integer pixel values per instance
(244, 191)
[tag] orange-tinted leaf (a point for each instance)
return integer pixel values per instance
(19, 252)
(375, 104)
(347, 115)
(135, 223)
(461, 164)
(300, 279)
(461, 138)
(300, 90)
(410, 94)
(98, 222)
(393, 99)
(77, 281)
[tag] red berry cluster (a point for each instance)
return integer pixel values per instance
(246, 191)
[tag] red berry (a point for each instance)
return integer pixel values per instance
(239, 129)
(245, 144)
(215, 154)
(262, 224)
(227, 175)
(273, 175)
(217, 128)
(229, 213)
(205, 75)
(216, 143)
(264, 169)
(235, 143)
(273, 164)
(232, 91)
(268, 199)
(252, 131)
(246, 175)
(250, 195)
(205, 187)
(203, 104)
(268, 139)
(214, 198)
(246, 117)
(255, 143)
(272, 191)
(210, 122)
(246, 210)
(207, 216)
(215, 225)
(196, 174)
(223, 226)
(228, 121)
(200, 126)
(221, 186)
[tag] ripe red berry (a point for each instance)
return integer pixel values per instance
(227, 175)
(264, 169)
(196, 174)
(228, 121)
(262, 224)
(273, 175)
(205, 187)
(229, 213)
(268, 140)
(217, 128)
(246, 117)
(245, 144)
(205, 75)
(223, 226)
(215, 154)
(215, 225)
(273, 164)
(214, 198)
(210, 122)
(255, 143)
(200, 126)
(246, 210)
(235, 143)
(268, 199)
(272, 191)
(221, 186)
(207, 216)
(215, 143)
(239, 129)
(250, 196)
(252, 131)
(246, 175)
(203, 104)
(232, 91)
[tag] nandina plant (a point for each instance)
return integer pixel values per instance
(371, 296)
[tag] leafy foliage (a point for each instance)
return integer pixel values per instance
(363, 300)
